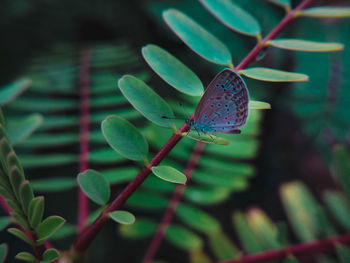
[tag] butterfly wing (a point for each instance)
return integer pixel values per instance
(224, 105)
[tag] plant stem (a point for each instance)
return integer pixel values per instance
(84, 239)
(84, 83)
(318, 246)
(170, 211)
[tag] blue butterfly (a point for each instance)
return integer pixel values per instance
(224, 106)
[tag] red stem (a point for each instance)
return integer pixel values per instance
(318, 246)
(5, 206)
(83, 205)
(84, 239)
(169, 213)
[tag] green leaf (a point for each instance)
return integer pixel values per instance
(47, 160)
(22, 128)
(30, 104)
(198, 256)
(146, 101)
(50, 255)
(124, 138)
(120, 175)
(326, 12)
(183, 238)
(339, 207)
(3, 252)
(197, 38)
(16, 179)
(105, 155)
(140, 229)
(263, 228)
(169, 174)
(206, 196)
(147, 200)
(197, 219)
(246, 234)
(26, 256)
(65, 231)
(341, 167)
(122, 217)
(207, 177)
(206, 138)
(55, 184)
(305, 45)
(259, 105)
(48, 227)
(222, 247)
(95, 186)
(302, 210)
(36, 211)
(284, 3)
(273, 75)
(343, 253)
(4, 222)
(233, 16)
(18, 233)
(26, 195)
(13, 90)
(172, 70)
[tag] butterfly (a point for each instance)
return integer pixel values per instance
(224, 106)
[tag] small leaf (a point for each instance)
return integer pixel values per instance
(95, 186)
(18, 233)
(233, 16)
(206, 138)
(16, 179)
(147, 200)
(197, 38)
(53, 184)
(222, 247)
(48, 227)
(197, 219)
(4, 222)
(206, 196)
(26, 195)
(273, 75)
(21, 128)
(183, 238)
(172, 70)
(326, 12)
(339, 207)
(3, 252)
(198, 256)
(26, 256)
(146, 101)
(122, 217)
(36, 211)
(13, 90)
(50, 255)
(305, 45)
(169, 174)
(341, 167)
(124, 138)
(65, 231)
(140, 229)
(259, 105)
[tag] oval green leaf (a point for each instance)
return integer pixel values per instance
(259, 105)
(197, 219)
(222, 246)
(140, 229)
(339, 207)
(27, 257)
(48, 227)
(172, 70)
(13, 90)
(273, 75)
(206, 138)
(50, 255)
(36, 211)
(122, 217)
(18, 233)
(124, 138)
(26, 195)
(233, 16)
(3, 252)
(326, 12)
(146, 101)
(197, 38)
(95, 186)
(206, 196)
(305, 45)
(21, 128)
(169, 174)
(183, 238)
(53, 184)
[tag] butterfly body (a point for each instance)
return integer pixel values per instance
(224, 105)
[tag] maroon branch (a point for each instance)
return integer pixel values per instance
(86, 236)
(169, 213)
(84, 83)
(315, 247)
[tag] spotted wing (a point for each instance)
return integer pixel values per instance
(224, 105)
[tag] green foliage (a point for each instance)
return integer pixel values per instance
(169, 174)
(122, 217)
(50, 255)
(274, 75)
(326, 12)
(26, 256)
(140, 229)
(13, 90)
(49, 226)
(3, 252)
(183, 238)
(305, 45)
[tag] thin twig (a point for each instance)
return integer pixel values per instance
(84, 239)
(84, 83)
(315, 247)
(170, 211)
